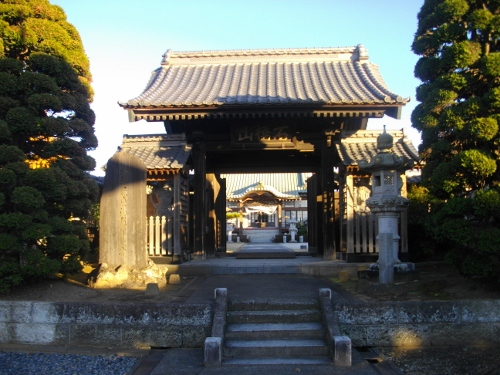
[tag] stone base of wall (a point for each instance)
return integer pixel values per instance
(105, 325)
(145, 325)
(429, 323)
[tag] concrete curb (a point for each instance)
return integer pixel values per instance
(340, 344)
(214, 344)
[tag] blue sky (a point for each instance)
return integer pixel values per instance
(125, 41)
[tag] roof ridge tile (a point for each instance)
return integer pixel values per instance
(299, 76)
(281, 54)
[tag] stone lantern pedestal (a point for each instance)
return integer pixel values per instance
(386, 202)
(388, 239)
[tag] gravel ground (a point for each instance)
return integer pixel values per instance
(12, 363)
(444, 361)
(423, 361)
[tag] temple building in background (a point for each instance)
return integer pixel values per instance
(267, 204)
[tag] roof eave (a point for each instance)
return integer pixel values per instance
(395, 112)
(371, 110)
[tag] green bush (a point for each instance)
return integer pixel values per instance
(422, 245)
(10, 275)
(37, 266)
(301, 228)
(471, 228)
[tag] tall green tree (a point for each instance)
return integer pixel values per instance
(459, 117)
(46, 129)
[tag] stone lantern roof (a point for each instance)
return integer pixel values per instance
(385, 141)
(385, 159)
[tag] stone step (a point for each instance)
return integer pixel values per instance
(274, 316)
(265, 255)
(261, 235)
(316, 360)
(275, 348)
(275, 331)
(275, 304)
(257, 251)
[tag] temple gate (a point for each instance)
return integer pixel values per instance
(268, 111)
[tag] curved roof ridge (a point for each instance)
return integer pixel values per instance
(353, 53)
(263, 187)
(285, 79)
(288, 184)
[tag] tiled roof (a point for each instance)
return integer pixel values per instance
(282, 185)
(321, 76)
(158, 151)
(362, 145)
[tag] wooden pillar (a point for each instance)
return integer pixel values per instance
(177, 251)
(280, 215)
(403, 252)
(349, 204)
(199, 204)
(220, 215)
(212, 188)
(312, 214)
(328, 158)
(215, 238)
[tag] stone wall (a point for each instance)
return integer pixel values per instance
(430, 323)
(105, 324)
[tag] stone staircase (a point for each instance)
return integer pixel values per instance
(265, 251)
(261, 235)
(273, 332)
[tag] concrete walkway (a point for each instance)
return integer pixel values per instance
(263, 287)
(254, 287)
(190, 362)
(230, 265)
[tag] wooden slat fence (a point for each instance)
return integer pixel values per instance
(364, 233)
(159, 236)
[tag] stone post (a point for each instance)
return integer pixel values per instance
(388, 223)
(340, 344)
(385, 258)
(214, 343)
(123, 213)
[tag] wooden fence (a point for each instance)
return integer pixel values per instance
(364, 238)
(159, 236)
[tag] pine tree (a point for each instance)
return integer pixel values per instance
(46, 129)
(459, 117)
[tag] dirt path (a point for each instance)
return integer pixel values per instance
(436, 282)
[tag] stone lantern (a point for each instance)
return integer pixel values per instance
(293, 231)
(229, 230)
(386, 201)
